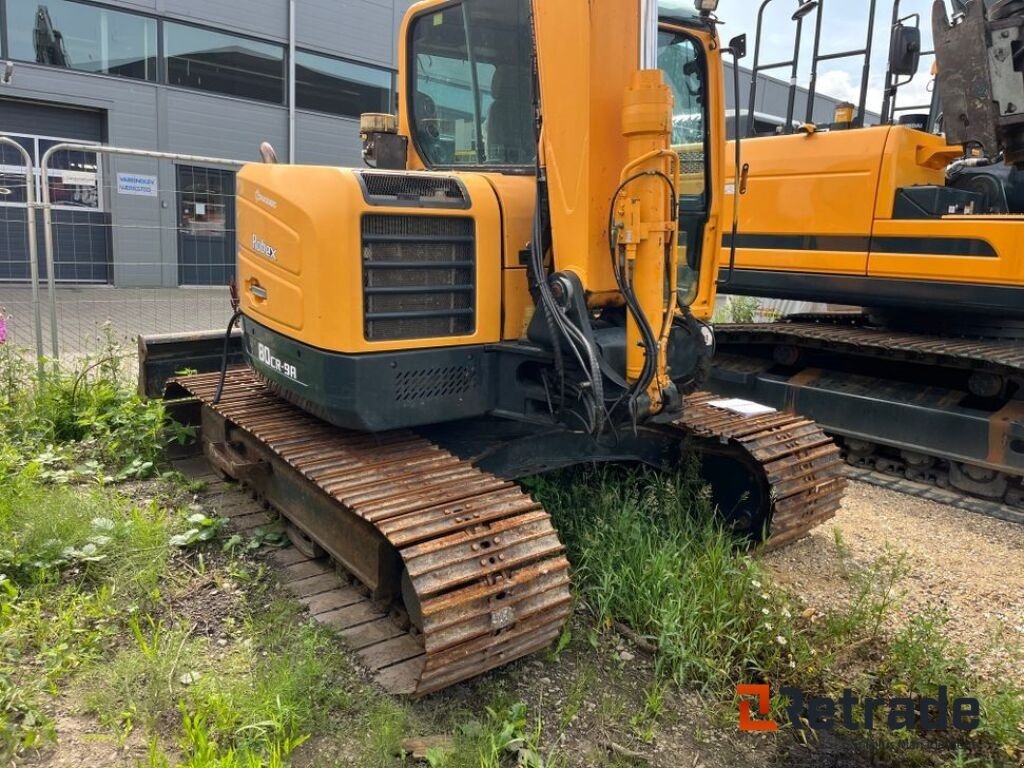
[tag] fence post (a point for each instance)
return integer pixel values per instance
(33, 250)
(51, 278)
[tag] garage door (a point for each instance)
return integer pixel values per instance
(82, 246)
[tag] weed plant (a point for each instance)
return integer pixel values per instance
(648, 551)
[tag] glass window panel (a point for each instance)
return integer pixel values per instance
(71, 195)
(9, 156)
(473, 97)
(204, 198)
(82, 37)
(12, 187)
(213, 61)
(680, 60)
(66, 167)
(340, 87)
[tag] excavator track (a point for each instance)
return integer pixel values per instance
(486, 569)
(848, 333)
(483, 575)
(803, 467)
(894, 398)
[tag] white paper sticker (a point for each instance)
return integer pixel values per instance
(78, 179)
(742, 407)
(200, 209)
(730, 189)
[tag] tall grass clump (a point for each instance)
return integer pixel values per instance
(78, 420)
(648, 552)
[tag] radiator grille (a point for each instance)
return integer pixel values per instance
(408, 189)
(419, 277)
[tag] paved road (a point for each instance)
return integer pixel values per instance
(83, 312)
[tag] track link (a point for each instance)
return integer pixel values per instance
(850, 334)
(801, 465)
(991, 476)
(488, 577)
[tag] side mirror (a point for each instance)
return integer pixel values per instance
(738, 47)
(905, 51)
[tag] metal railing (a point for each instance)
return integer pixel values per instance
(116, 259)
(47, 206)
(31, 234)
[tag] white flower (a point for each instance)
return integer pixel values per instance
(765, 611)
(765, 596)
(780, 640)
(755, 583)
(786, 613)
(768, 626)
(792, 664)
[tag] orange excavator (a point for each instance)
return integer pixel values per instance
(917, 223)
(499, 294)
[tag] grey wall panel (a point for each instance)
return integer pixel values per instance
(138, 248)
(198, 124)
(363, 30)
(130, 106)
(323, 140)
(261, 18)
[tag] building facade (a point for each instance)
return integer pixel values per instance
(190, 77)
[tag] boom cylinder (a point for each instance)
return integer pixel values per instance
(645, 213)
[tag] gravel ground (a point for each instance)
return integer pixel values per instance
(967, 564)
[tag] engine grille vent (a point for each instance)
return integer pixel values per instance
(419, 277)
(432, 383)
(691, 162)
(420, 190)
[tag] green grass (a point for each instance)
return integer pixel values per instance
(648, 551)
(92, 584)
(75, 567)
(260, 703)
(79, 421)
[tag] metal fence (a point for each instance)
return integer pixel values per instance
(101, 243)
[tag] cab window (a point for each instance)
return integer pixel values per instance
(472, 85)
(681, 61)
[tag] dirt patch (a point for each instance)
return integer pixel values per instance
(83, 742)
(206, 604)
(966, 564)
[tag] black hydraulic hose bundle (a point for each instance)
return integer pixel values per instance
(235, 317)
(562, 328)
(624, 281)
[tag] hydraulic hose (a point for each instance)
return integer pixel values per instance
(235, 317)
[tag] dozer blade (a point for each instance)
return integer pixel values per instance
(481, 569)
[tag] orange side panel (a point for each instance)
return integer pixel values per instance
(1004, 236)
(821, 184)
